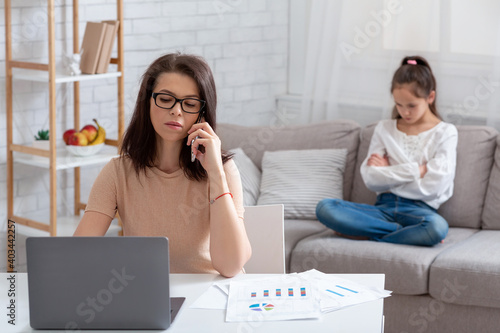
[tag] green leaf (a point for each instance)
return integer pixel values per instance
(42, 135)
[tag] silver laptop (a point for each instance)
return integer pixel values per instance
(99, 283)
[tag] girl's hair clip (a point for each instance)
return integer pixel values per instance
(411, 62)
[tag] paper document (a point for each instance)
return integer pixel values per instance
(337, 293)
(214, 298)
(285, 297)
(279, 298)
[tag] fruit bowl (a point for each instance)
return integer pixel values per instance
(84, 150)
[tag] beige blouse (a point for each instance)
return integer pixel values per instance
(155, 203)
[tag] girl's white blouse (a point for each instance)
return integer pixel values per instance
(437, 147)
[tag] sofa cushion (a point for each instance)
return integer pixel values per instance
(468, 273)
(360, 193)
(250, 177)
(491, 211)
(476, 147)
(425, 314)
(299, 179)
(326, 135)
(406, 267)
(296, 230)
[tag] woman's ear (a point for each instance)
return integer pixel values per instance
(431, 97)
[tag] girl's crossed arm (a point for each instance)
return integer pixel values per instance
(440, 169)
(377, 173)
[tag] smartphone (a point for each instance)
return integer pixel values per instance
(193, 157)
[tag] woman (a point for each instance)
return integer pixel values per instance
(172, 179)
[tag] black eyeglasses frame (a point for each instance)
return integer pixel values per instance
(179, 100)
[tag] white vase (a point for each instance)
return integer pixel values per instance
(41, 144)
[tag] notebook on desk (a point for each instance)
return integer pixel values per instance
(99, 283)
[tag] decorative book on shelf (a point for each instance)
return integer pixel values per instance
(97, 45)
(107, 46)
(91, 47)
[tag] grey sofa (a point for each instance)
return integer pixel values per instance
(451, 287)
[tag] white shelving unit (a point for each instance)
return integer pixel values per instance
(38, 76)
(66, 160)
(56, 158)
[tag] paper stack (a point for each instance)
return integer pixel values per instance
(286, 297)
(97, 45)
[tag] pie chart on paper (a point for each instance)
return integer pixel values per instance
(261, 307)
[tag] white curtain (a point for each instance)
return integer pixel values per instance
(355, 46)
(321, 52)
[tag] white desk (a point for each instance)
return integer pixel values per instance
(364, 318)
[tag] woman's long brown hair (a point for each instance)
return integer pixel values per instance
(139, 142)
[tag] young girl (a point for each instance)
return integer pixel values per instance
(172, 178)
(410, 164)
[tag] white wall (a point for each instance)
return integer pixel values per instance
(459, 38)
(244, 41)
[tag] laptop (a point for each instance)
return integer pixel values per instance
(99, 283)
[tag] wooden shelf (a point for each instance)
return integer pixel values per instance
(47, 73)
(65, 160)
(43, 76)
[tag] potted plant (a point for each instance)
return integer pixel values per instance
(42, 140)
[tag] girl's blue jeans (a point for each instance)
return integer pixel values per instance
(392, 219)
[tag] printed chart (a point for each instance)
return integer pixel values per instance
(261, 307)
(336, 293)
(277, 292)
(341, 291)
(278, 298)
(304, 295)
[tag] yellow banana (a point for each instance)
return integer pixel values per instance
(101, 135)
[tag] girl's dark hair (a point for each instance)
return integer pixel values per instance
(417, 74)
(139, 142)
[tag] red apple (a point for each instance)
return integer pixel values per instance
(90, 132)
(78, 139)
(67, 135)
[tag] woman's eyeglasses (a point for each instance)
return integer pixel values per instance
(188, 105)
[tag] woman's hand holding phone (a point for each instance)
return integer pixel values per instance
(202, 134)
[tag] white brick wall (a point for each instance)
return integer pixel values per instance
(244, 41)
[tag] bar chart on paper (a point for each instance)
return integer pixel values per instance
(277, 292)
(272, 293)
(277, 299)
